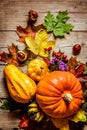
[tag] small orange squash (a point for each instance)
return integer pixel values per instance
(59, 94)
(37, 68)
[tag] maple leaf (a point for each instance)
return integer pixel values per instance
(24, 122)
(30, 29)
(72, 63)
(10, 57)
(38, 44)
(58, 25)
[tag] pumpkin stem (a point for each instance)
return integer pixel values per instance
(67, 97)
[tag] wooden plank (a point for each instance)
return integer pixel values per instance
(7, 38)
(8, 120)
(43, 6)
(10, 37)
(11, 21)
(47, 1)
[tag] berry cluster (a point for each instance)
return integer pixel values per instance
(58, 61)
(60, 55)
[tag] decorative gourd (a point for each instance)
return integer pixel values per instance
(37, 68)
(34, 112)
(59, 94)
(21, 88)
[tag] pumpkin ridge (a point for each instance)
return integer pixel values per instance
(78, 95)
(77, 101)
(53, 107)
(44, 98)
(76, 88)
(61, 110)
(53, 85)
(50, 88)
(72, 107)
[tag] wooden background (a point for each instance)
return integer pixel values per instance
(15, 12)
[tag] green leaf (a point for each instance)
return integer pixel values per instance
(5, 105)
(59, 29)
(58, 24)
(58, 32)
(62, 16)
(48, 22)
(68, 28)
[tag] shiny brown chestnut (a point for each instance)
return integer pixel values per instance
(76, 49)
(22, 56)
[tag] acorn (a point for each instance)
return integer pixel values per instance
(22, 56)
(76, 49)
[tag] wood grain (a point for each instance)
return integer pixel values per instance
(15, 12)
(78, 21)
(7, 124)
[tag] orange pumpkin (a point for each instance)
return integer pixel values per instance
(59, 94)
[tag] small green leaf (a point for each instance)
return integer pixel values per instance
(48, 23)
(68, 27)
(5, 105)
(58, 32)
(62, 16)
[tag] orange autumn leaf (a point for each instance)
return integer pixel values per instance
(30, 29)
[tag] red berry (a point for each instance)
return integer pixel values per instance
(64, 57)
(49, 49)
(54, 53)
(58, 55)
(76, 49)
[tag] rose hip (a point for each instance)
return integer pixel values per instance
(76, 49)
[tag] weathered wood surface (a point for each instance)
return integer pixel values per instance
(15, 12)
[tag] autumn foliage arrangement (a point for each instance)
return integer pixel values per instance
(54, 88)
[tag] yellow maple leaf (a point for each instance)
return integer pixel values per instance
(38, 44)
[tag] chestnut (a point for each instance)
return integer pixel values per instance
(22, 56)
(76, 49)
